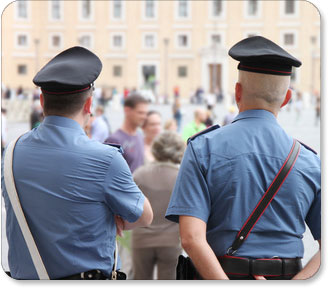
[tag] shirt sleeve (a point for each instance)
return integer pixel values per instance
(313, 217)
(190, 195)
(121, 193)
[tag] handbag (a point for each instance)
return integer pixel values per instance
(186, 270)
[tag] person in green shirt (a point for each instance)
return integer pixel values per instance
(195, 126)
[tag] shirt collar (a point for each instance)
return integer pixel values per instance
(263, 114)
(62, 122)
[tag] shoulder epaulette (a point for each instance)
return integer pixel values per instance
(118, 146)
(308, 147)
(214, 127)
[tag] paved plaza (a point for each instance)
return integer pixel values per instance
(301, 126)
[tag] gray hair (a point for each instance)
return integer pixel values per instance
(168, 147)
(270, 88)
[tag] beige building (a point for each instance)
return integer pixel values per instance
(158, 43)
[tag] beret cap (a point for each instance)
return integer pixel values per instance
(71, 71)
(260, 55)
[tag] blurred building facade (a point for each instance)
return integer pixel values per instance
(158, 44)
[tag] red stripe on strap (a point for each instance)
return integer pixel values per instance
(269, 189)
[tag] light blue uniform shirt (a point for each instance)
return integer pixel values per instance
(70, 188)
(224, 174)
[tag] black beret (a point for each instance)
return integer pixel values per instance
(71, 71)
(260, 55)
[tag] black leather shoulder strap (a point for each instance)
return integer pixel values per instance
(266, 198)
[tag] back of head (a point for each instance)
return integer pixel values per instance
(65, 104)
(168, 147)
(264, 70)
(264, 87)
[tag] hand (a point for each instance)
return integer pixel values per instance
(259, 277)
(119, 225)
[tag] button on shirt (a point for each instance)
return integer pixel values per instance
(224, 174)
(70, 188)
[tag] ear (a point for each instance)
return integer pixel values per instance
(41, 100)
(87, 105)
(238, 92)
(287, 98)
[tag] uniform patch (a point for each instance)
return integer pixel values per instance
(118, 146)
(214, 127)
(308, 147)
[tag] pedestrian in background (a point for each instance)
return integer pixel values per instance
(36, 116)
(177, 113)
(171, 125)
(100, 128)
(4, 130)
(151, 128)
(128, 136)
(298, 106)
(131, 139)
(195, 126)
(159, 243)
(230, 116)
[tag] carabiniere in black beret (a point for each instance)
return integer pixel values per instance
(71, 71)
(260, 55)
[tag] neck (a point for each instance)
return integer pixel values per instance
(79, 118)
(258, 106)
(129, 128)
(148, 140)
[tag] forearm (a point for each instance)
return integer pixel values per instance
(131, 226)
(205, 261)
(311, 268)
(144, 220)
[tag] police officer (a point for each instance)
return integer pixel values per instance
(75, 192)
(225, 172)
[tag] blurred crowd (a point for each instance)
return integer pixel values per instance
(153, 151)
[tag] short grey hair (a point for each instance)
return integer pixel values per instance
(168, 147)
(270, 88)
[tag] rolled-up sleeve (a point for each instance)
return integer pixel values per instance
(190, 195)
(122, 195)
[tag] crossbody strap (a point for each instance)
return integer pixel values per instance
(15, 203)
(266, 198)
(114, 272)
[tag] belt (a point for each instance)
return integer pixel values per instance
(94, 275)
(264, 267)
